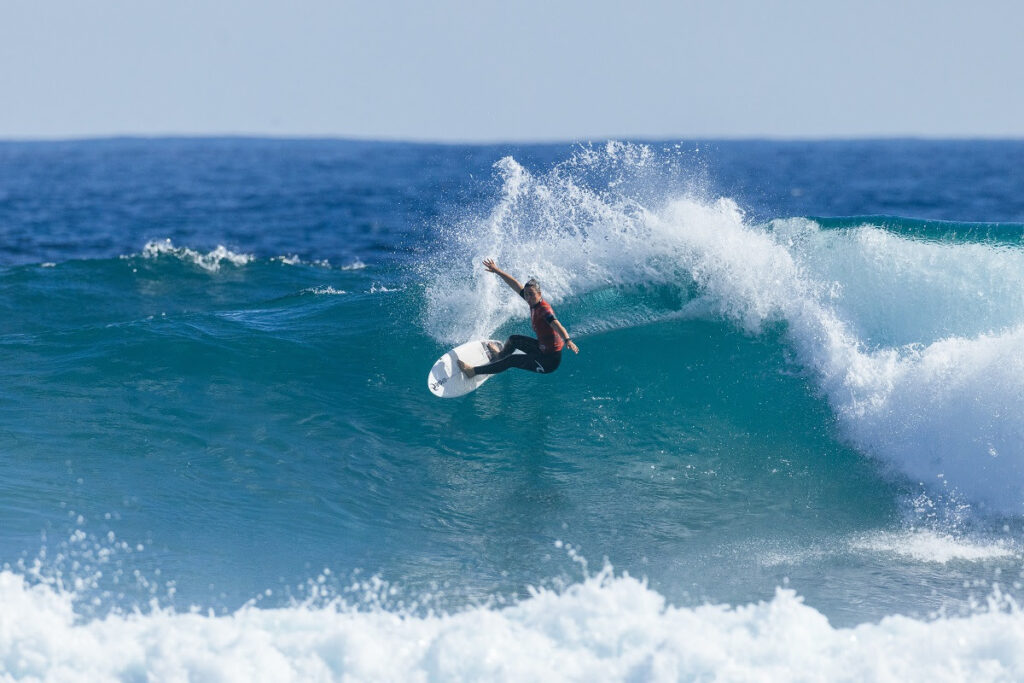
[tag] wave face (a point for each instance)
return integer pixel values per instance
(796, 414)
(914, 342)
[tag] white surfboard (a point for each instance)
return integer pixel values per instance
(448, 381)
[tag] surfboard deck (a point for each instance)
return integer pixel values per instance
(447, 380)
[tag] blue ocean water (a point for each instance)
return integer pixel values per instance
(792, 444)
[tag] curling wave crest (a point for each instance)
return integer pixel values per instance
(916, 344)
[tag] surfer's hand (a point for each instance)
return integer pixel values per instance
(572, 345)
(491, 266)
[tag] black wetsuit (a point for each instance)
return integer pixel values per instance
(532, 358)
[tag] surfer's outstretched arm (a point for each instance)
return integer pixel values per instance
(565, 335)
(492, 267)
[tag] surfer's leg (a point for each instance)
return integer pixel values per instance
(500, 361)
(509, 359)
(518, 342)
(542, 363)
(500, 365)
(549, 362)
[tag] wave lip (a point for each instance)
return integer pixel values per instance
(604, 628)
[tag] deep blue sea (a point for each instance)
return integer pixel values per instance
(790, 448)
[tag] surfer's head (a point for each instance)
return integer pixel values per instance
(531, 291)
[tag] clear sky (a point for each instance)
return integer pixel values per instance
(515, 70)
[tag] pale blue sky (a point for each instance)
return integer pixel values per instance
(528, 70)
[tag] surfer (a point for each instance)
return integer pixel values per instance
(542, 354)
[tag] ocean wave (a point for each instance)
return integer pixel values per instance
(213, 260)
(938, 230)
(915, 343)
(354, 265)
(603, 628)
(294, 260)
(328, 290)
(210, 261)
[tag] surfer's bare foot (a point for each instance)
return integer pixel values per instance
(466, 368)
(494, 348)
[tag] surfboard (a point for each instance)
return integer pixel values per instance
(448, 381)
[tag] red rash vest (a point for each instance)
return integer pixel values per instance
(541, 317)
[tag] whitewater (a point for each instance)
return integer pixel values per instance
(603, 628)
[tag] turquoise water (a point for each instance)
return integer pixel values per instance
(214, 413)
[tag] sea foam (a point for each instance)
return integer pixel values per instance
(605, 628)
